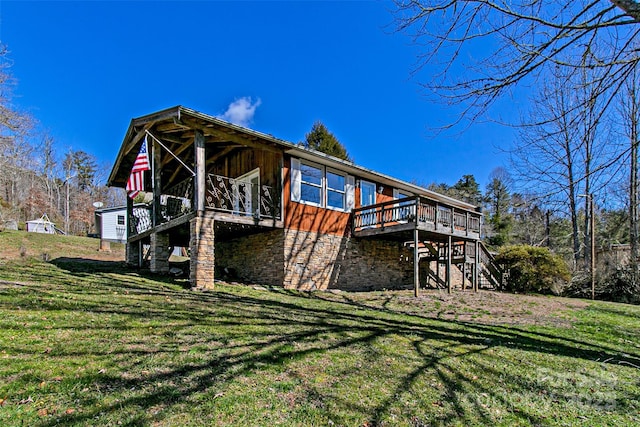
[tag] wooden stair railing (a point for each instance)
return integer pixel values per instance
(490, 270)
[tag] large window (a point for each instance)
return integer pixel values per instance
(321, 186)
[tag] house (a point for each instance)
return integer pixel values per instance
(111, 223)
(276, 213)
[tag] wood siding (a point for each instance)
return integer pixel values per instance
(299, 216)
(244, 160)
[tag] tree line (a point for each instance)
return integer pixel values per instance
(38, 177)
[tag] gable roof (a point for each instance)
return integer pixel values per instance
(180, 119)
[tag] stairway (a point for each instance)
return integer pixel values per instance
(490, 274)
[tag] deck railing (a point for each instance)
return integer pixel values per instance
(172, 204)
(429, 213)
(243, 198)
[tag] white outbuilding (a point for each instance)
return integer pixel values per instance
(41, 225)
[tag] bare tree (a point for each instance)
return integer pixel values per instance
(564, 155)
(500, 44)
(630, 116)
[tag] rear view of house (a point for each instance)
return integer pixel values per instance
(275, 213)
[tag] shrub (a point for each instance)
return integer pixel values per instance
(533, 269)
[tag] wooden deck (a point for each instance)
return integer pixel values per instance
(416, 213)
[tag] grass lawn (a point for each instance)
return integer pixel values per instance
(85, 341)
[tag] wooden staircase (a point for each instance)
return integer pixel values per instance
(490, 274)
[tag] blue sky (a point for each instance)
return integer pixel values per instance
(85, 69)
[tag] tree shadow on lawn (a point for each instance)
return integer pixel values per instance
(252, 330)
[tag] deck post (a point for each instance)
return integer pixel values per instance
(476, 270)
(416, 263)
(449, 252)
(200, 178)
(157, 181)
(438, 266)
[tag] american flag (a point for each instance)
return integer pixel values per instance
(135, 184)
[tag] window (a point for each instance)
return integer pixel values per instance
(367, 193)
(317, 185)
(120, 219)
(311, 184)
(336, 190)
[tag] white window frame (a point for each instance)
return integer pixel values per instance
(375, 192)
(327, 189)
(321, 186)
(296, 186)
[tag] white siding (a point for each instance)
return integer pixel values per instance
(111, 230)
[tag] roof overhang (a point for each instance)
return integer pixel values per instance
(182, 117)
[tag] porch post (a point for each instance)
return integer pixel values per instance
(157, 181)
(201, 228)
(416, 263)
(476, 270)
(200, 178)
(201, 244)
(160, 253)
(449, 265)
(132, 250)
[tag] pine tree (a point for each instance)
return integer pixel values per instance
(320, 139)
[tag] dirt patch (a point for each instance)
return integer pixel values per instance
(491, 307)
(486, 307)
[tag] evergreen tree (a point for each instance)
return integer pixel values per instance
(498, 201)
(467, 190)
(320, 139)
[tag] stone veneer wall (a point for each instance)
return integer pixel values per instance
(160, 253)
(201, 246)
(326, 261)
(257, 258)
(132, 253)
(309, 261)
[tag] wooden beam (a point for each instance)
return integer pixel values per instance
(138, 136)
(200, 163)
(219, 154)
(416, 264)
(156, 179)
(476, 265)
(240, 139)
(449, 255)
(177, 152)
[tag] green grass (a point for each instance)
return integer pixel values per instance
(92, 343)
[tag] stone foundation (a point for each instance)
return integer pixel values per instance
(201, 245)
(257, 258)
(160, 253)
(308, 261)
(132, 255)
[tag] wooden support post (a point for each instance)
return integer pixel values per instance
(157, 181)
(464, 275)
(200, 178)
(438, 265)
(416, 263)
(476, 267)
(449, 253)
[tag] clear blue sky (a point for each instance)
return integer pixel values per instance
(84, 69)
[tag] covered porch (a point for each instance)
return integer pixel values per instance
(203, 172)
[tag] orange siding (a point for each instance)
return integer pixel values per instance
(298, 216)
